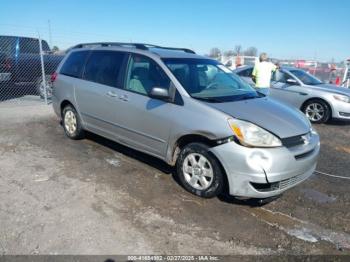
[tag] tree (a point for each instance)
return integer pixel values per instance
(215, 52)
(251, 51)
(238, 50)
(55, 49)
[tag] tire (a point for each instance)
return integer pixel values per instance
(39, 86)
(317, 111)
(71, 123)
(206, 178)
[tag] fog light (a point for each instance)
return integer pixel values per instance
(259, 160)
(344, 114)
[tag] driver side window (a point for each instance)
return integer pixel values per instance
(281, 77)
(144, 74)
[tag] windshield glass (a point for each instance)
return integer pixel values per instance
(209, 80)
(306, 78)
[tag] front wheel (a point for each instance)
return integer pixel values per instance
(199, 172)
(317, 111)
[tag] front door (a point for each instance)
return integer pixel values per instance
(286, 89)
(145, 121)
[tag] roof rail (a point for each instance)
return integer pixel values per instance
(135, 45)
(103, 44)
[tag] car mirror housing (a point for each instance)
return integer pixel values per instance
(292, 81)
(160, 93)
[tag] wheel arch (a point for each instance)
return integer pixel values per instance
(320, 99)
(184, 140)
(64, 103)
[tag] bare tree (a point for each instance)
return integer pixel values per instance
(215, 52)
(251, 51)
(229, 53)
(238, 50)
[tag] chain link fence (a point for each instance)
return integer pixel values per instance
(26, 65)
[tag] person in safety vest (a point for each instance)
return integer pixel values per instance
(262, 73)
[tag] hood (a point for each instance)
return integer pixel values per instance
(269, 114)
(332, 88)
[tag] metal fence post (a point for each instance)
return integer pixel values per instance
(43, 69)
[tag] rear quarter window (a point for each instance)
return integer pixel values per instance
(29, 46)
(74, 64)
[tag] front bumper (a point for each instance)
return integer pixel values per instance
(266, 172)
(341, 110)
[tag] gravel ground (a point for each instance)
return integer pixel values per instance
(94, 196)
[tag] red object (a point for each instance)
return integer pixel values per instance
(53, 77)
(337, 81)
(8, 64)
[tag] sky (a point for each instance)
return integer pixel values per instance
(295, 29)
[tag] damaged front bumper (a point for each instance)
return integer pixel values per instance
(267, 172)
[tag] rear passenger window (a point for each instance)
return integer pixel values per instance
(246, 72)
(103, 67)
(74, 64)
(29, 46)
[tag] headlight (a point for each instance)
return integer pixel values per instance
(342, 98)
(249, 134)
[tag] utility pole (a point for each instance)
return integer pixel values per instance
(50, 36)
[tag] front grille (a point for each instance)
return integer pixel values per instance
(280, 185)
(293, 141)
(298, 157)
(290, 181)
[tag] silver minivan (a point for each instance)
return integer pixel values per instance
(188, 110)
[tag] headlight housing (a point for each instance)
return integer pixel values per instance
(342, 98)
(251, 135)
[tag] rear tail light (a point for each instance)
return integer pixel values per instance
(53, 77)
(8, 63)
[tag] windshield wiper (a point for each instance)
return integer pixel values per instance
(247, 97)
(208, 99)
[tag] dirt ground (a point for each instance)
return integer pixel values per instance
(94, 196)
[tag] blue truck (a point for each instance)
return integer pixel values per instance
(20, 63)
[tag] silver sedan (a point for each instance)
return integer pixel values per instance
(319, 101)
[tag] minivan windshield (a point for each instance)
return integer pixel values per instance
(208, 80)
(305, 77)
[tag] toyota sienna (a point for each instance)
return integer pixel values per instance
(189, 111)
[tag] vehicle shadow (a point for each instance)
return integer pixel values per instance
(169, 170)
(336, 122)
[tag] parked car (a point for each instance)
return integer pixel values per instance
(188, 110)
(20, 62)
(319, 101)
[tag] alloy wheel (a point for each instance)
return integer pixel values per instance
(315, 112)
(198, 171)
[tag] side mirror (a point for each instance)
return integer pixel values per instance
(160, 93)
(292, 81)
(229, 63)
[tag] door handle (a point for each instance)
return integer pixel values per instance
(111, 94)
(124, 97)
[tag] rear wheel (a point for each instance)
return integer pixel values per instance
(71, 123)
(317, 111)
(199, 172)
(40, 87)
